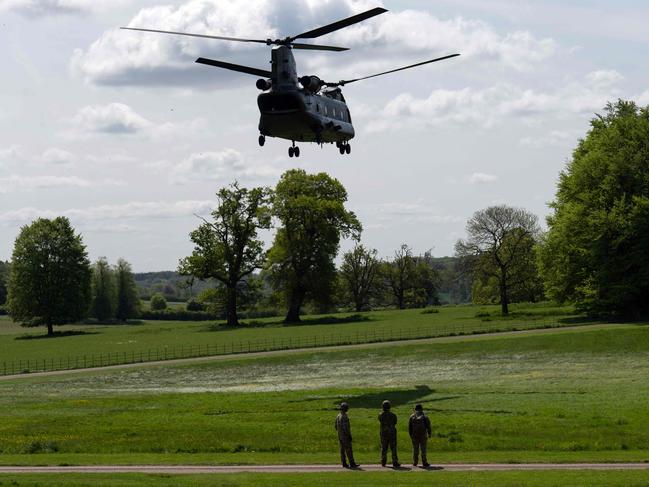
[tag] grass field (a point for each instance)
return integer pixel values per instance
(562, 396)
(434, 479)
(91, 345)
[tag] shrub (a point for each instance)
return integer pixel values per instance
(158, 302)
(193, 305)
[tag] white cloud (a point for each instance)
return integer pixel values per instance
(11, 155)
(486, 107)
(58, 157)
(17, 183)
(406, 212)
(41, 8)
(114, 118)
(482, 178)
(137, 58)
(216, 166)
(555, 138)
(129, 211)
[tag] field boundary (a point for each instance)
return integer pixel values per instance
(323, 348)
(197, 469)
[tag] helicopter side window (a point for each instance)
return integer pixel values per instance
(317, 107)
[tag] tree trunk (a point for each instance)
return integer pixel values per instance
(50, 329)
(231, 306)
(294, 307)
(504, 298)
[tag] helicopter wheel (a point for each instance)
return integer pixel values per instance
(348, 149)
(296, 151)
(262, 140)
(291, 151)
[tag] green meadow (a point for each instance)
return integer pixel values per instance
(76, 346)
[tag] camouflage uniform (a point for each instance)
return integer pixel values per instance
(345, 438)
(388, 421)
(420, 430)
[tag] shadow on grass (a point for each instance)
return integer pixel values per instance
(57, 334)
(332, 320)
(396, 398)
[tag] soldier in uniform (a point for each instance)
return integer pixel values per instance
(420, 430)
(388, 430)
(345, 437)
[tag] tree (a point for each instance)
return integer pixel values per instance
(228, 249)
(498, 245)
(103, 291)
(595, 251)
(128, 301)
(158, 302)
(50, 275)
(411, 280)
(311, 211)
(359, 271)
(4, 278)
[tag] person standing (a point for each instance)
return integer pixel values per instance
(420, 430)
(388, 431)
(345, 437)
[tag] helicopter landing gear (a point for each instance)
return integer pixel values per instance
(262, 140)
(294, 151)
(344, 147)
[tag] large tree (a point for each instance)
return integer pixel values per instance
(498, 246)
(359, 271)
(228, 248)
(50, 275)
(595, 251)
(128, 301)
(103, 291)
(313, 218)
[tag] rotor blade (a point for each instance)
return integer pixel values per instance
(346, 82)
(236, 39)
(235, 67)
(316, 47)
(341, 24)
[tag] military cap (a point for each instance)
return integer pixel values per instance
(386, 404)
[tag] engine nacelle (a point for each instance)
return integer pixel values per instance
(311, 83)
(264, 84)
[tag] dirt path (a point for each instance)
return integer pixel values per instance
(333, 348)
(194, 469)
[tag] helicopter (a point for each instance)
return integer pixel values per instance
(306, 108)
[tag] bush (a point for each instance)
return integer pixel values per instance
(158, 302)
(193, 305)
(3, 311)
(178, 315)
(430, 311)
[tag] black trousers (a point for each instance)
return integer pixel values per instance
(419, 444)
(346, 453)
(389, 441)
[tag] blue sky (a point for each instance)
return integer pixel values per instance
(123, 133)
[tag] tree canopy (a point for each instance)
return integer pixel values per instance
(103, 291)
(50, 275)
(360, 275)
(4, 278)
(228, 248)
(500, 246)
(313, 218)
(595, 252)
(128, 301)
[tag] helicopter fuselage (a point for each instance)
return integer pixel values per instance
(297, 113)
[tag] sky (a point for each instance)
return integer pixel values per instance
(123, 133)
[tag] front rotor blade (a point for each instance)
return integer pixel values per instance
(236, 39)
(235, 67)
(341, 24)
(316, 47)
(346, 82)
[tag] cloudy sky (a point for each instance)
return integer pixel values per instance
(124, 134)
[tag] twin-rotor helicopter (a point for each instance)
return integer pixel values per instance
(306, 108)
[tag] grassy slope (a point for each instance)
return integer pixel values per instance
(432, 479)
(20, 344)
(568, 396)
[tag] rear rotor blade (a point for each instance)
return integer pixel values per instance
(235, 67)
(316, 47)
(346, 82)
(236, 39)
(341, 24)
